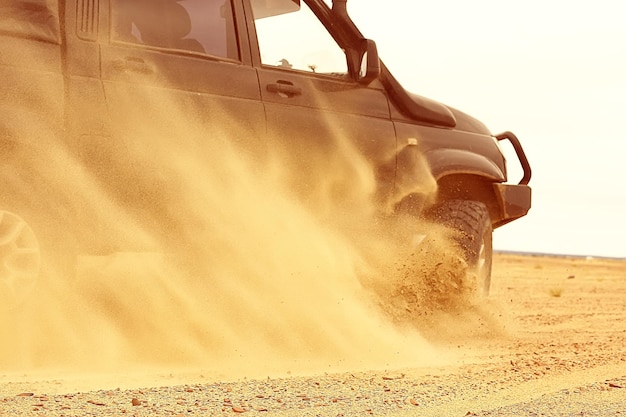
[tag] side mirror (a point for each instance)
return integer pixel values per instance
(370, 64)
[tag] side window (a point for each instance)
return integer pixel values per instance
(291, 36)
(204, 26)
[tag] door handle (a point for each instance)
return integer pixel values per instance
(132, 64)
(284, 89)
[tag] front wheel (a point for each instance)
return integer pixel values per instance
(471, 220)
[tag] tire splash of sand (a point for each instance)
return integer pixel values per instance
(268, 281)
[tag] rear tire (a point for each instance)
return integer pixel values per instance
(472, 222)
(32, 251)
(20, 260)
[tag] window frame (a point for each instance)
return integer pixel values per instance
(334, 29)
(240, 36)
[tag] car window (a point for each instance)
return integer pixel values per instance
(294, 38)
(202, 26)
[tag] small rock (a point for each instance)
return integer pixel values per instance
(239, 409)
(135, 402)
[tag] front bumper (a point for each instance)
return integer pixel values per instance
(514, 200)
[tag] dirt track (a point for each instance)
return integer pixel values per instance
(551, 340)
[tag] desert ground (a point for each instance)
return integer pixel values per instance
(550, 340)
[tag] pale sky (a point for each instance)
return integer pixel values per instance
(554, 73)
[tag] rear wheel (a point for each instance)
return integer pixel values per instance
(472, 222)
(20, 259)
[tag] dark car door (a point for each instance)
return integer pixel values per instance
(180, 90)
(334, 133)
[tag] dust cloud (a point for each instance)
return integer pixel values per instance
(212, 257)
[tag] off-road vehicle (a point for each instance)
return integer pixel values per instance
(81, 79)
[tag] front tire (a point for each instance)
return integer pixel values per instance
(471, 220)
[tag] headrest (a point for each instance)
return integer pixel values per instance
(161, 21)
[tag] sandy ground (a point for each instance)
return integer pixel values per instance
(550, 340)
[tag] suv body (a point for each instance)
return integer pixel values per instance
(81, 76)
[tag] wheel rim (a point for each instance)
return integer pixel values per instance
(20, 259)
(480, 270)
(482, 258)
(482, 267)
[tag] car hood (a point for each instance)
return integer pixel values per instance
(425, 110)
(468, 123)
(431, 111)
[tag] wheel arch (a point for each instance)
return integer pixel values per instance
(458, 174)
(446, 162)
(456, 186)
(465, 175)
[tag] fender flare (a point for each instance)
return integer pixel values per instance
(444, 162)
(418, 175)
